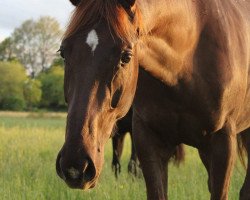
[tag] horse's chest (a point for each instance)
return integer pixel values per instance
(186, 111)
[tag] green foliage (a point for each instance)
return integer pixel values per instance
(52, 88)
(17, 92)
(32, 92)
(12, 78)
(6, 50)
(34, 44)
(13, 102)
(58, 62)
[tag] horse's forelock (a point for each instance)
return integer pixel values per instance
(89, 11)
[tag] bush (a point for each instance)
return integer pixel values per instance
(52, 88)
(14, 103)
(12, 78)
(32, 92)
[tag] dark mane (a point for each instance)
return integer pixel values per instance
(90, 11)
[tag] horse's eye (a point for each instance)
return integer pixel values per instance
(61, 52)
(126, 57)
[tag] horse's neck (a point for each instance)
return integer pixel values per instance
(166, 49)
(175, 26)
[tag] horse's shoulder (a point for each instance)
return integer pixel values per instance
(224, 42)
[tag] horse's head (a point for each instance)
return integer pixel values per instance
(101, 70)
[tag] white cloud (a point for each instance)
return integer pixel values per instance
(14, 12)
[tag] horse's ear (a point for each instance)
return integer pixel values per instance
(131, 2)
(127, 4)
(75, 2)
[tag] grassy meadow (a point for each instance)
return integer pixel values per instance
(28, 150)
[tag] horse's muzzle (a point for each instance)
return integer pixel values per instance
(77, 177)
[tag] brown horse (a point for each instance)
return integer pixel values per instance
(124, 126)
(193, 86)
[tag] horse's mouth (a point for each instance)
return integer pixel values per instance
(83, 182)
(80, 184)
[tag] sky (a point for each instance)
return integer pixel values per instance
(14, 12)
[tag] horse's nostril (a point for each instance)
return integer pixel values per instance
(89, 171)
(58, 167)
(85, 166)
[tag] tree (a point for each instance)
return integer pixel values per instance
(6, 50)
(26, 46)
(36, 43)
(52, 88)
(49, 35)
(12, 78)
(32, 92)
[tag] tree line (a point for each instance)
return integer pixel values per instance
(31, 71)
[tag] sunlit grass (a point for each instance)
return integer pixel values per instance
(28, 150)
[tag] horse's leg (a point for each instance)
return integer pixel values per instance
(206, 159)
(117, 141)
(223, 151)
(154, 166)
(132, 166)
(245, 190)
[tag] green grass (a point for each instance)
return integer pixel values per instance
(28, 150)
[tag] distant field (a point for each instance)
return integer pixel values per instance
(28, 149)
